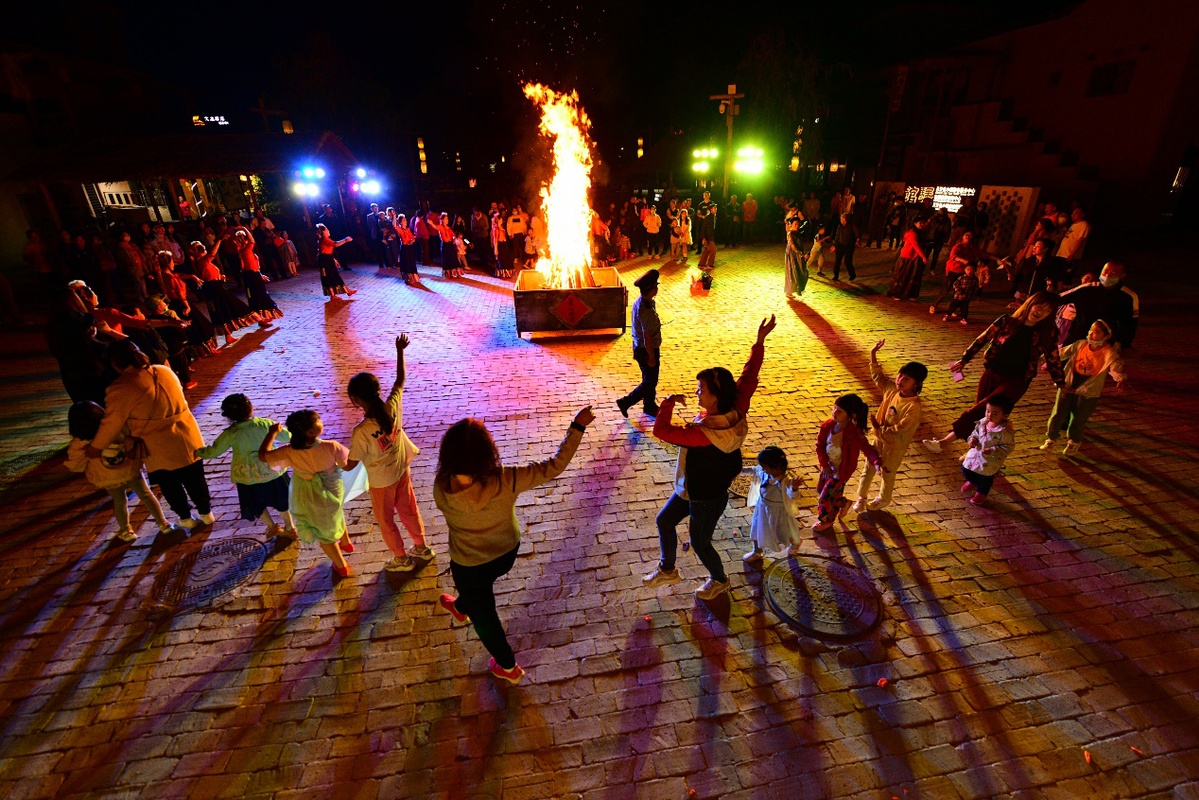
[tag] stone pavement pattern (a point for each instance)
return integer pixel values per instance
(1018, 638)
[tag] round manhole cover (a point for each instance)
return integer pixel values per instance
(215, 569)
(823, 598)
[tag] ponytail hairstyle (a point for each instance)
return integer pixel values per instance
(856, 408)
(721, 383)
(302, 426)
(364, 387)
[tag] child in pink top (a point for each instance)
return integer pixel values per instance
(317, 491)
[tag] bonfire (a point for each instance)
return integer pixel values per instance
(566, 264)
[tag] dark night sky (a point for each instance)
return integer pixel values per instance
(377, 73)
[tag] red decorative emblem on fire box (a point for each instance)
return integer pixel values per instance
(571, 310)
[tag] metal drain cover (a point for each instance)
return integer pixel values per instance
(215, 569)
(823, 598)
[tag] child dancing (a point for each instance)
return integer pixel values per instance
(841, 440)
(773, 526)
(317, 491)
(259, 487)
(990, 443)
(894, 425)
(385, 450)
(1087, 363)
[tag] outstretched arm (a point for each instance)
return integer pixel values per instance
(401, 346)
(532, 475)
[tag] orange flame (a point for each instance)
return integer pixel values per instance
(564, 205)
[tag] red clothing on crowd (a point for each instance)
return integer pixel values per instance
(206, 270)
(962, 253)
(173, 286)
(249, 259)
(911, 245)
(749, 210)
(692, 435)
(853, 444)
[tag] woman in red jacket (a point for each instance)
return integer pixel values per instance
(709, 460)
(842, 439)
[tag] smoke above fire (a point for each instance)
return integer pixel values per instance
(564, 205)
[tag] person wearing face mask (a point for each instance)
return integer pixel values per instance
(1015, 344)
(1087, 364)
(709, 460)
(1109, 300)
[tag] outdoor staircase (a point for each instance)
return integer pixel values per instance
(986, 142)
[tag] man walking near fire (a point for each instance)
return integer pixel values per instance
(647, 346)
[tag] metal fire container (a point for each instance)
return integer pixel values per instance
(603, 307)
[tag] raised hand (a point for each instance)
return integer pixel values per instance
(764, 329)
(878, 346)
(402, 342)
(680, 399)
(585, 416)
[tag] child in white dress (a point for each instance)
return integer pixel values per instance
(773, 526)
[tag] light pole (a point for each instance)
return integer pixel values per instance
(730, 109)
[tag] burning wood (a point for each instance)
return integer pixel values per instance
(564, 204)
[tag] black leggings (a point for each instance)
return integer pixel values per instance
(476, 599)
(179, 484)
(704, 516)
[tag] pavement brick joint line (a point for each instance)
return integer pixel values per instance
(1043, 647)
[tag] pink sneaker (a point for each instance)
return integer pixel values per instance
(967, 486)
(447, 602)
(979, 499)
(513, 675)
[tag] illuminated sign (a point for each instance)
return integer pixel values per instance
(946, 197)
(202, 121)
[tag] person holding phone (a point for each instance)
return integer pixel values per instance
(1014, 345)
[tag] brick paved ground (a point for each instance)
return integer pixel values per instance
(1059, 622)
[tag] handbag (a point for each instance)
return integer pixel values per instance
(136, 448)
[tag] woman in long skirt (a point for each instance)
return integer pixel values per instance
(331, 280)
(909, 270)
(226, 310)
(255, 283)
(407, 251)
(797, 271)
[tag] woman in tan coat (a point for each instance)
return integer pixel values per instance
(146, 401)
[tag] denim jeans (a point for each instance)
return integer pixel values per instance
(704, 516)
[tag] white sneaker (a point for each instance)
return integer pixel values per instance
(877, 504)
(208, 519)
(187, 523)
(752, 557)
(859, 505)
(400, 564)
(932, 445)
(660, 577)
(125, 536)
(1049, 444)
(424, 553)
(1072, 448)
(712, 589)
(168, 529)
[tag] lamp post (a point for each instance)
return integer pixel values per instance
(730, 109)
